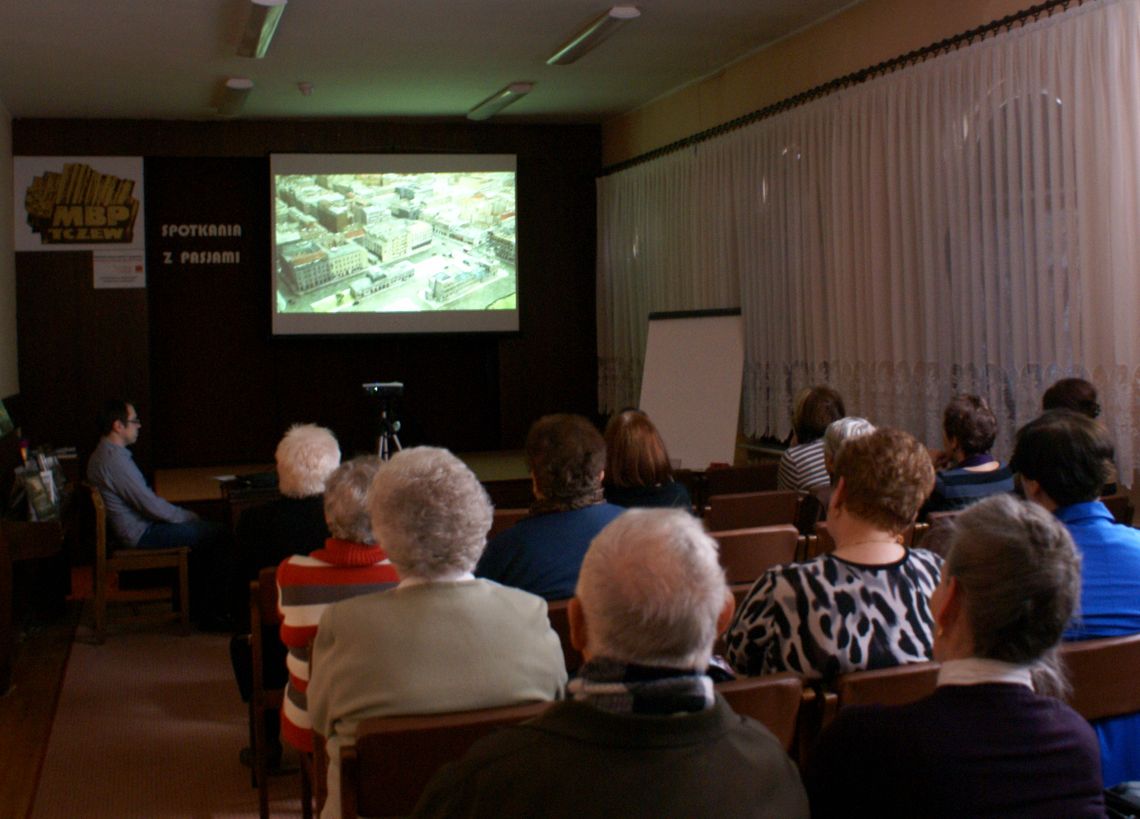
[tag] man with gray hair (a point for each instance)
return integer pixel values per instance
(644, 733)
(441, 640)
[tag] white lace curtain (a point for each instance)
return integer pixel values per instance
(969, 224)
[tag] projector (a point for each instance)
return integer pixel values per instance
(384, 389)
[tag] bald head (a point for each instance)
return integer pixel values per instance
(651, 590)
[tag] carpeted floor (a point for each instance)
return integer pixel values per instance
(149, 725)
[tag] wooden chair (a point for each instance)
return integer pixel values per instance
(887, 686)
(1121, 507)
(1103, 674)
(730, 480)
(117, 560)
(560, 621)
(746, 554)
(747, 509)
(385, 772)
(939, 529)
(773, 700)
(502, 519)
(263, 612)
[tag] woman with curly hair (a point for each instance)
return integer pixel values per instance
(865, 604)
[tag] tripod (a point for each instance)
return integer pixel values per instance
(389, 426)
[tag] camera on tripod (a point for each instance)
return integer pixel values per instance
(386, 392)
(384, 389)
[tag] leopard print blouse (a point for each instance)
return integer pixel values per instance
(828, 616)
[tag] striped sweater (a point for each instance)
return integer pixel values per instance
(306, 586)
(802, 468)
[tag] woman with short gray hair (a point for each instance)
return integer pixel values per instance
(440, 641)
(348, 565)
(989, 741)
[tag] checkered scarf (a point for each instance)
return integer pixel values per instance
(622, 688)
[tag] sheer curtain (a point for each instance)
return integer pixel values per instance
(968, 224)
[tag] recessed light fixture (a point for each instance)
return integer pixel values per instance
(232, 96)
(500, 100)
(597, 30)
(264, 15)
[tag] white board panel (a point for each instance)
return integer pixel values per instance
(690, 387)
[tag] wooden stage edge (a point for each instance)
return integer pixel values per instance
(202, 483)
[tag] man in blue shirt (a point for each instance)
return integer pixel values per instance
(542, 553)
(140, 519)
(1062, 458)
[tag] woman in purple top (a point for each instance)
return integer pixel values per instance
(992, 740)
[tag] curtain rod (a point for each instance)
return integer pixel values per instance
(1030, 14)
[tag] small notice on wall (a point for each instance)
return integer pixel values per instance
(119, 269)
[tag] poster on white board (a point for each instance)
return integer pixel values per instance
(690, 387)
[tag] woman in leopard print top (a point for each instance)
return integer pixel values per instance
(865, 605)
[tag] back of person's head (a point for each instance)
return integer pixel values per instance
(1020, 577)
(815, 408)
(969, 420)
(429, 513)
(839, 431)
(566, 455)
(887, 476)
(113, 409)
(346, 499)
(635, 451)
(306, 456)
(651, 590)
(1073, 394)
(1067, 453)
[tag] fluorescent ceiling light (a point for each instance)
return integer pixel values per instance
(264, 15)
(500, 100)
(231, 98)
(598, 29)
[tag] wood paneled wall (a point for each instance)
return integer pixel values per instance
(214, 387)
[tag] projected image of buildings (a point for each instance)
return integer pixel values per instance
(395, 242)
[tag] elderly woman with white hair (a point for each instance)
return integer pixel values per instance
(295, 522)
(267, 534)
(349, 564)
(993, 739)
(440, 641)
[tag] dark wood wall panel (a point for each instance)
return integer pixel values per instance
(77, 345)
(195, 350)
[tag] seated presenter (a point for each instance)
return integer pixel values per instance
(140, 519)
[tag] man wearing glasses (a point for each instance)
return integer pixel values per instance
(140, 519)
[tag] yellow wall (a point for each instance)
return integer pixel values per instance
(859, 37)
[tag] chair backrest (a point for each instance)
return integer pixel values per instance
(557, 611)
(502, 519)
(1121, 507)
(100, 520)
(887, 686)
(746, 554)
(747, 509)
(1103, 674)
(395, 757)
(773, 699)
(940, 528)
(729, 480)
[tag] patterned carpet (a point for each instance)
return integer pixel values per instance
(149, 725)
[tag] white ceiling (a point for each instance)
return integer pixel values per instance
(165, 59)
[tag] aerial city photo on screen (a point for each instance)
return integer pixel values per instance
(395, 242)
